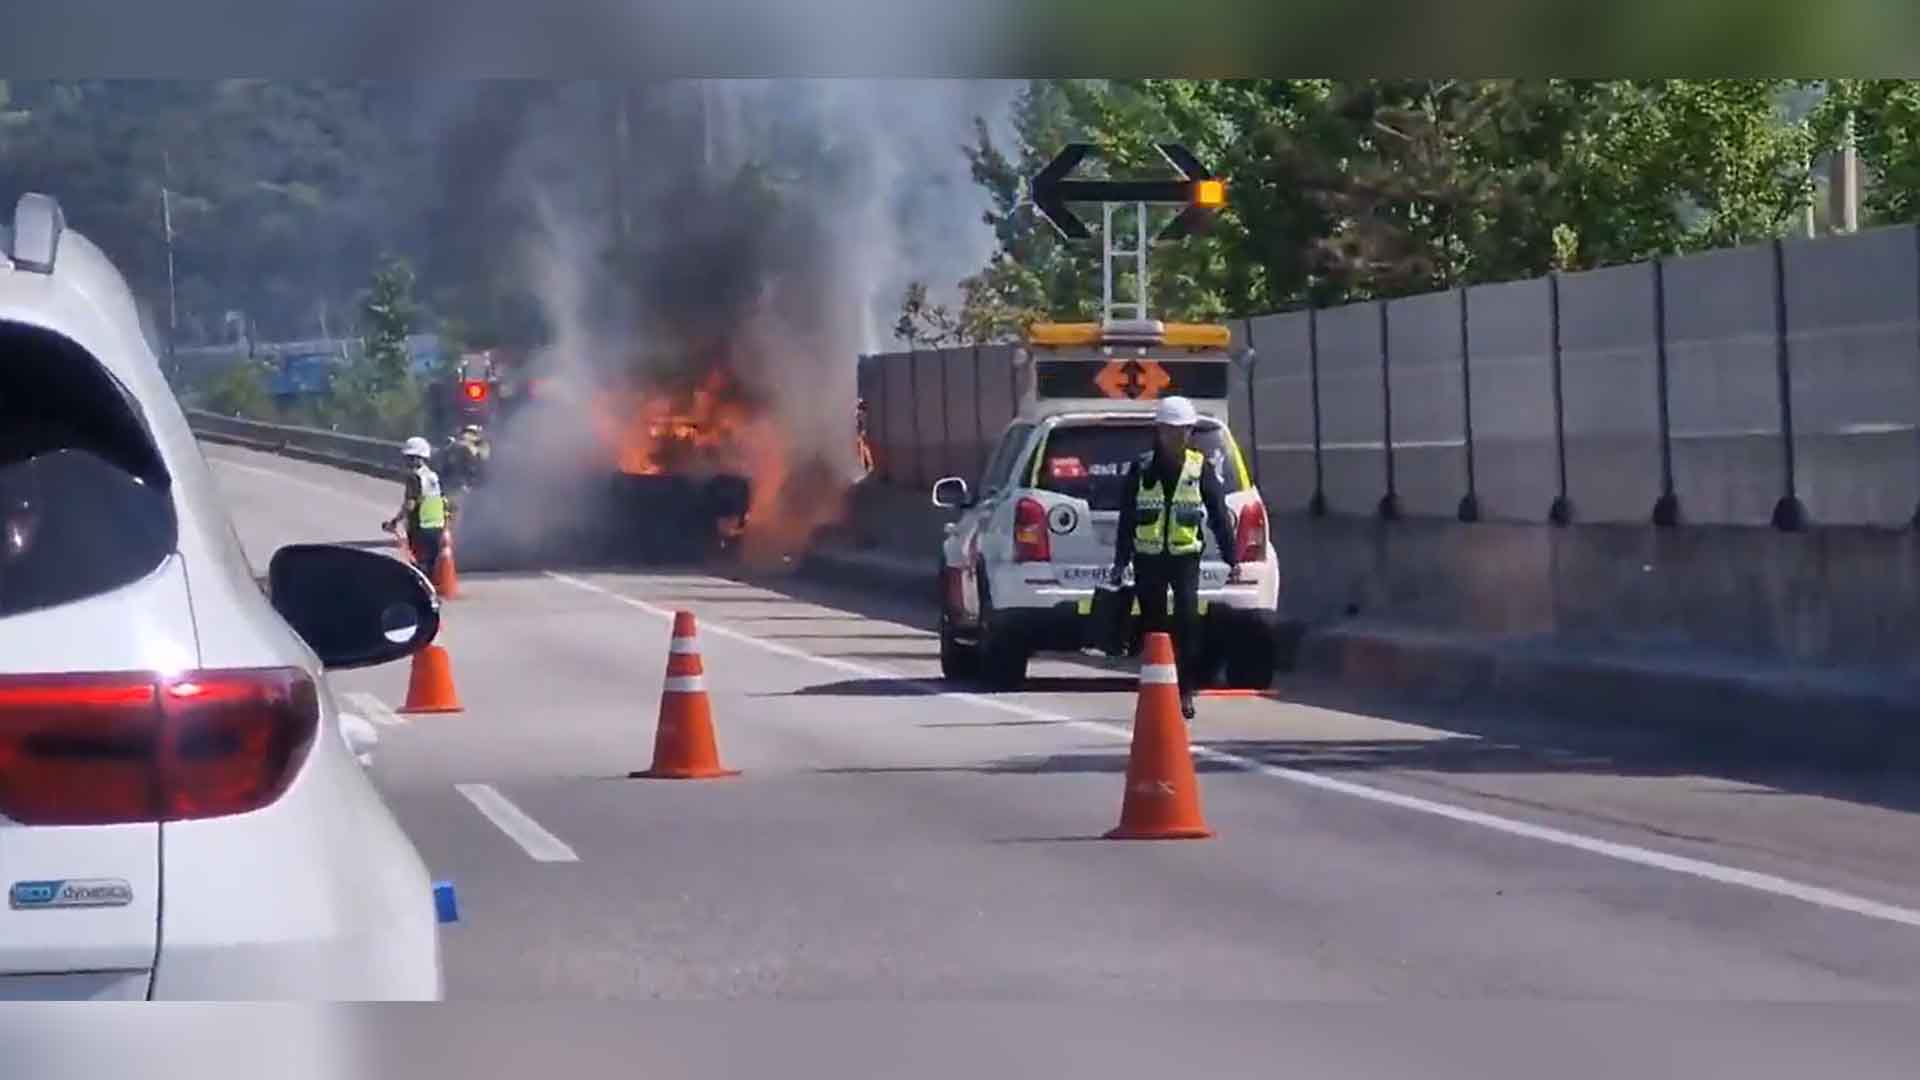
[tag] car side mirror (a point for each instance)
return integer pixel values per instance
(354, 608)
(950, 493)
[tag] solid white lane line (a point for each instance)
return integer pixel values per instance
(374, 709)
(289, 478)
(521, 829)
(1832, 899)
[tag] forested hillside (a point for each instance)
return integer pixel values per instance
(284, 196)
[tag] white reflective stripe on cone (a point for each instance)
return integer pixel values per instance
(684, 646)
(686, 684)
(1159, 674)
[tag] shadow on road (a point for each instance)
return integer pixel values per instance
(1442, 755)
(905, 687)
(1489, 737)
(865, 688)
(829, 635)
(1100, 762)
(796, 618)
(997, 723)
(385, 543)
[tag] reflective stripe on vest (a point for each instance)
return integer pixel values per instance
(432, 511)
(1156, 531)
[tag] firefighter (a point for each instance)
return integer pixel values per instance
(462, 464)
(423, 508)
(1174, 496)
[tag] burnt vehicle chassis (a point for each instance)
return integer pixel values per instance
(622, 519)
(668, 517)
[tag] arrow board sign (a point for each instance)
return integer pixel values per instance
(1197, 188)
(1120, 379)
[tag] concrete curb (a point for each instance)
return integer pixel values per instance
(1858, 719)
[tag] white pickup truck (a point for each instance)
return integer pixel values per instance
(1020, 566)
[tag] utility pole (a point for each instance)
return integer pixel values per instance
(1843, 183)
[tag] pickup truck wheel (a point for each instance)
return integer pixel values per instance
(958, 659)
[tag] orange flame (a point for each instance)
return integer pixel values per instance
(713, 425)
(658, 431)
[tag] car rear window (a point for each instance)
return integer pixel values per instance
(85, 505)
(1086, 461)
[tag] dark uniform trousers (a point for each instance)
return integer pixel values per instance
(1153, 575)
(426, 544)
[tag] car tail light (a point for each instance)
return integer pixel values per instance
(1250, 535)
(104, 749)
(1030, 537)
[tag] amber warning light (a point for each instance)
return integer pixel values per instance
(1211, 194)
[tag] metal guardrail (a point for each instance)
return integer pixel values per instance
(357, 452)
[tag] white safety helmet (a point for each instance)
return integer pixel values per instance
(416, 447)
(1176, 412)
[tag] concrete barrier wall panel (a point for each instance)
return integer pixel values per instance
(1510, 362)
(1853, 335)
(1610, 380)
(1282, 395)
(1429, 424)
(1723, 386)
(1352, 409)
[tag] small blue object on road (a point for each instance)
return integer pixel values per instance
(444, 904)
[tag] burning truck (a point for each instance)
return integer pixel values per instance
(654, 462)
(681, 457)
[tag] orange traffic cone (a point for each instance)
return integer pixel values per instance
(683, 744)
(430, 684)
(1163, 795)
(446, 581)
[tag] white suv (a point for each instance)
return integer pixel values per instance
(180, 814)
(1020, 566)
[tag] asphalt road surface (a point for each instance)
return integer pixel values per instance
(893, 838)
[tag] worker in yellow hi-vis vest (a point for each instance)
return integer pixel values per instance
(423, 508)
(1174, 496)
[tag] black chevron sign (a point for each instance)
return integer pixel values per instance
(1197, 188)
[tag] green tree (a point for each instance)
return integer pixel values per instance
(1342, 190)
(1033, 274)
(377, 394)
(1676, 165)
(389, 312)
(1885, 118)
(241, 390)
(923, 324)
